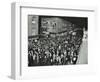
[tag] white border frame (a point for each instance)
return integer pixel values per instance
(16, 33)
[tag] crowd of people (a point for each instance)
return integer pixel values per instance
(55, 49)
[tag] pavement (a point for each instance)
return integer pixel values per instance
(83, 54)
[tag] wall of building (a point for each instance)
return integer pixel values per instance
(32, 25)
(55, 24)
